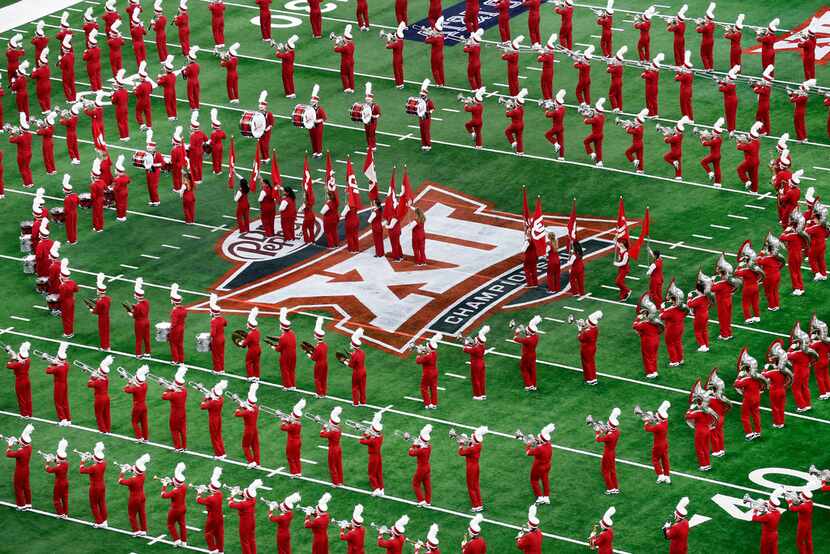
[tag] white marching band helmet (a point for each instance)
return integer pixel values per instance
(285, 323)
(334, 416)
(357, 514)
(426, 433)
(532, 519)
(60, 451)
(323, 503)
(174, 293)
(138, 289)
(681, 508)
(62, 348)
(219, 388)
(377, 424)
(180, 374)
(297, 410)
(26, 434)
(215, 477)
(100, 282)
(479, 432)
(546, 431)
(213, 305)
(560, 96)
(595, 317)
(140, 465)
(104, 366)
(98, 451)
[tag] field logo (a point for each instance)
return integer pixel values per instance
(475, 267)
(821, 26)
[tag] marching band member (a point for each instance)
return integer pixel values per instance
(431, 543)
(216, 141)
(555, 111)
(319, 355)
(178, 315)
(603, 542)
(132, 7)
(476, 350)
(264, 19)
(750, 384)
(293, 427)
(213, 402)
(642, 23)
(217, 335)
(470, 449)
(154, 173)
(475, 107)
(818, 232)
(372, 438)
(768, 39)
(472, 47)
(540, 448)
(751, 275)
(800, 356)
(588, 335)
(59, 369)
(429, 375)
(658, 426)
(196, 148)
(553, 276)
(43, 86)
(22, 457)
(69, 119)
(615, 69)
(287, 347)
(40, 228)
(137, 32)
(54, 273)
(768, 516)
(673, 314)
(331, 432)
(377, 223)
(702, 418)
(23, 140)
(706, 29)
(801, 502)
(243, 208)
(247, 516)
(251, 343)
(634, 154)
(14, 53)
(762, 89)
(115, 42)
(190, 73)
(395, 43)
(217, 21)
(711, 162)
(92, 57)
(821, 365)
(649, 327)
(66, 62)
(724, 286)
(733, 34)
(730, 96)
(515, 130)
(796, 241)
(473, 542)
(582, 63)
(807, 45)
(799, 98)
(698, 301)
(283, 520)
(136, 504)
(249, 412)
(95, 466)
(121, 189)
(345, 47)
(67, 290)
(674, 138)
(142, 90)
(370, 129)
(528, 339)
(288, 212)
(159, 26)
(286, 56)
(176, 394)
(780, 376)
(178, 158)
(421, 450)
(771, 262)
(547, 59)
(609, 436)
(397, 536)
(120, 98)
(177, 512)
(214, 527)
(46, 130)
(315, 18)
(677, 26)
(593, 142)
(677, 532)
(20, 88)
(331, 218)
(167, 82)
(60, 469)
(686, 78)
(318, 522)
(529, 539)
(362, 14)
(182, 22)
(606, 22)
(533, 18)
(435, 39)
(357, 361)
(566, 12)
(353, 534)
(510, 55)
(425, 121)
(576, 277)
(110, 15)
(316, 132)
(137, 387)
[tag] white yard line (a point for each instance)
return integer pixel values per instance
(573, 309)
(194, 237)
(18, 318)
(704, 237)
(150, 256)
(454, 375)
(171, 247)
(735, 216)
(716, 226)
(128, 266)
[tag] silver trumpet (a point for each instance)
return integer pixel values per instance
(406, 435)
(508, 101)
(464, 99)
(161, 381)
(124, 468)
(199, 387)
(527, 438)
(382, 529)
(546, 104)
(420, 349)
(821, 474)
(517, 328)
(339, 40)
(624, 123)
(461, 438)
(388, 37)
(760, 506)
(585, 110)
(234, 490)
(364, 428)
(44, 356)
(85, 456)
(581, 324)
(274, 412)
(647, 417)
(599, 427)
(165, 480)
(48, 457)
(278, 46)
(665, 130)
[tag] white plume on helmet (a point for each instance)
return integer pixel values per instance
(250, 491)
(400, 525)
(141, 463)
(252, 315)
(482, 333)
(323, 502)
(290, 500)
(180, 374)
(595, 317)
(682, 504)
(219, 388)
(98, 450)
(560, 96)
(663, 409)
(376, 422)
(105, 364)
(426, 433)
(334, 416)
(60, 451)
(479, 432)
(297, 410)
(475, 524)
(174, 292)
(141, 373)
(547, 430)
(252, 390)
(532, 520)
(614, 418)
(215, 478)
(178, 473)
(62, 348)
(357, 337)
(432, 534)
(284, 321)
(606, 520)
(26, 434)
(433, 342)
(357, 514)
(533, 325)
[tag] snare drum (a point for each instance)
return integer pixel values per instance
(57, 215)
(109, 198)
(416, 106)
(54, 302)
(85, 200)
(252, 124)
(143, 160)
(29, 264)
(26, 244)
(361, 113)
(162, 331)
(203, 342)
(303, 116)
(26, 227)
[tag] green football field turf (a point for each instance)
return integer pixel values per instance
(690, 221)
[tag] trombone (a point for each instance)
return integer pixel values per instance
(238, 337)
(195, 385)
(53, 360)
(364, 428)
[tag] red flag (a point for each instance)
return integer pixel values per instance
(331, 182)
(635, 249)
(255, 172)
(572, 222)
(622, 224)
(308, 187)
(406, 196)
(351, 183)
(390, 205)
(276, 178)
(231, 166)
(369, 172)
(538, 233)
